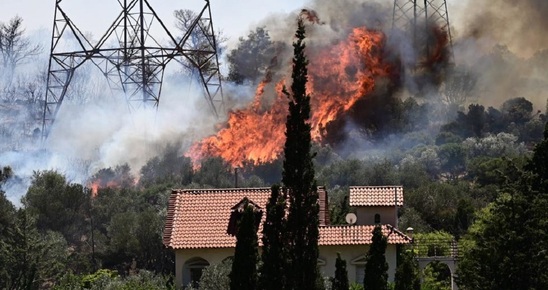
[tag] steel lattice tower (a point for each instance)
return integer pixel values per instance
(130, 57)
(415, 17)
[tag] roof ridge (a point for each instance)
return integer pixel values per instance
(220, 190)
(375, 186)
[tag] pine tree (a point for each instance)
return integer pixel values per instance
(340, 282)
(407, 273)
(298, 176)
(274, 254)
(376, 267)
(244, 268)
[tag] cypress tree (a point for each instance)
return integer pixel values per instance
(341, 275)
(407, 273)
(274, 254)
(244, 268)
(376, 267)
(298, 176)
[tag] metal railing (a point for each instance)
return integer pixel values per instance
(436, 248)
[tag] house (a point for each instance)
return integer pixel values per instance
(198, 219)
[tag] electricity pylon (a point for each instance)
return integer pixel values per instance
(131, 57)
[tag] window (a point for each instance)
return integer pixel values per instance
(359, 263)
(377, 218)
(192, 271)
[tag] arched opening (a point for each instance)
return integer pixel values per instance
(192, 271)
(377, 218)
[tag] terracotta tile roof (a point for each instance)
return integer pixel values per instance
(376, 195)
(358, 235)
(199, 219)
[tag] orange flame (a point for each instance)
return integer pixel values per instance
(338, 77)
(99, 184)
(94, 186)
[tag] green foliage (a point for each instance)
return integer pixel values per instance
(343, 173)
(29, 258)
(252, 57)
(58, 205)
(214, 172)
(339, 205)
(171, 167)
(110, 280)
(376, 267)
(407, 272)
(517, 110)
(5, 173)
(539, 163)
(340, 281)
(437, 204)
(87, 281)
(244, 268)
(410, 217)
(274, 255)
(216, 276)
(350, 172)
(119, 177)
(453, 158)
(128, 224)
(437, 276)
(298, 176)
(433, 244)
(504, 246)
(7, 214)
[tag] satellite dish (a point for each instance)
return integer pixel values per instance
(351, 218)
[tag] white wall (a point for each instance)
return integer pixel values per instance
(213, 256)
(350, 253)
(366, 215)
(327, 254)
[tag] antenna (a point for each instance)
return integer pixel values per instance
(130, 57)
(351, 218)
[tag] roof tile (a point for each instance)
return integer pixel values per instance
(199, 219)
(376, 195)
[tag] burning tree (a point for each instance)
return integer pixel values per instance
(298, 176)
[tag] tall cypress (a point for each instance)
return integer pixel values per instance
(340, 282)
(376, 267)
(274, 254)
(407, 272)
(298, 175)
(244, 268)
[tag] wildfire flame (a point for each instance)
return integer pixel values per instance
(338, 76)
(116, 182)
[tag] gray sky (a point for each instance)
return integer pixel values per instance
(234, 17)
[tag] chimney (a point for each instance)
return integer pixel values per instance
(324, 206)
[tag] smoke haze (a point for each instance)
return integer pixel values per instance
(501, 42)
